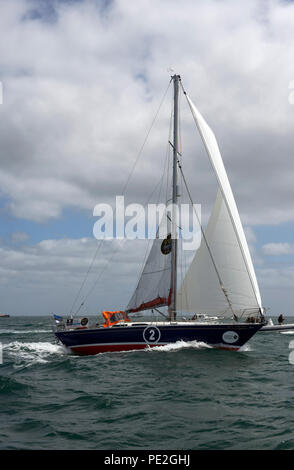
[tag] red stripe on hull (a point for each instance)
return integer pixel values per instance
(102, 348)
(228, 348)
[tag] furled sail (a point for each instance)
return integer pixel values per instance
(201, 291)
(153, 289)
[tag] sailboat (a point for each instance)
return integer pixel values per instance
(220, 282)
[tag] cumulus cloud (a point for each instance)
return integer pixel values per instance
(82, 82)
(83, 88)
(49, 274)
(277, 249)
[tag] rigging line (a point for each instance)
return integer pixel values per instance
(181, 248)
(165, 170)
(180, 158)
(147, 252)
(180, 126)
(207, 246)
(231, 217)
(158, 199)
(153, 191)
(161, 313)
(86, 275)
(179, 153)
(166, 163)
(99, 276)
(95, 283)
(145, 140)
(123, 191)
(168, 154)
(185, 263)
(115, 251)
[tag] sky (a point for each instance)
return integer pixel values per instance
(81, 83)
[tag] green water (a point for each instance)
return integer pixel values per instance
(187, 397)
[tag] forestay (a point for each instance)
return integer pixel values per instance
(202, 291)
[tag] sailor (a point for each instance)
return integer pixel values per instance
(280, 319)
(250, 320)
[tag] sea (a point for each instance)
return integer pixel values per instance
(187, 396)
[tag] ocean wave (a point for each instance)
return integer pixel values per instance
(31, 353)
(245, 348)
(178, 345)
(22, 332)
(9, 385)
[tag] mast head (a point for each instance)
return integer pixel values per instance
(176, 77)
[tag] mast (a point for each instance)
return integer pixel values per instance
(172, 306)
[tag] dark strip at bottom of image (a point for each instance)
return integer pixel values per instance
(140, 458)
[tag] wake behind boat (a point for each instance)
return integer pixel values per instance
(220, 280)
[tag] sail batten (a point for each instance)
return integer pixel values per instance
(223, 257)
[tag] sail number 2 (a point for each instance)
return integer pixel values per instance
(151, 334)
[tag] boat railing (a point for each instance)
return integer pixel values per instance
(252, 315)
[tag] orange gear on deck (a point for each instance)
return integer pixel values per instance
(112, 318)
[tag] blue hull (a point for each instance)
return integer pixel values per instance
(132, 337)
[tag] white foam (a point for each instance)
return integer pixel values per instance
(26, 354)
(246, 347)
(288, 332)
(22, 332)
(172, 347)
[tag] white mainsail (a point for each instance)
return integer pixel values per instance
(153, 289)
(201, 291)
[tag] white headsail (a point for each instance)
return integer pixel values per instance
(201, 291)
